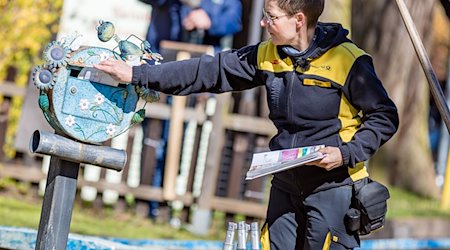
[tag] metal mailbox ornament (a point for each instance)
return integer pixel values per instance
(82, 102)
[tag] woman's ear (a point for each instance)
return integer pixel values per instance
(301, 19)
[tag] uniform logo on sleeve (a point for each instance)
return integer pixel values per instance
(276, 61)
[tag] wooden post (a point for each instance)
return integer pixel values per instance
(61, 186)
(57, 205)
(174, 143)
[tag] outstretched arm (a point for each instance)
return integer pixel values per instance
(226, 71)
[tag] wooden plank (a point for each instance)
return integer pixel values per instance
(174, 147)
(194, 159)
(247, 208)
(241, 144)
(188, 47)
(145, 192)
(152, 129)
(11, 89)
(175, 141)
(23, 173)
(255, 188)
(162, 111)
(238, 164)
(243, 123)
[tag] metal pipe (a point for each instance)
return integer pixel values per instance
(435, 88)
(254, 232)
(55, 145)
(444, 140)
(229, 239)
(255, 30)
(242, 235)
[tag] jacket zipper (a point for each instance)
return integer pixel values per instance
(290, 104)
(290, 119)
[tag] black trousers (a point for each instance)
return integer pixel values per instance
(311, 222)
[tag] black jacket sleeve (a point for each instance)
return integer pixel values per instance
(379, 114)
(231, 70)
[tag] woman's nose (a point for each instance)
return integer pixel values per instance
(263, 22)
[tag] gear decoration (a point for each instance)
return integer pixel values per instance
(56, 54)
(44, 78)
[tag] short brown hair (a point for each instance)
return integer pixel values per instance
(311, 8)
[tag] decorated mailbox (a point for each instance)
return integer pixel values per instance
(82, 102)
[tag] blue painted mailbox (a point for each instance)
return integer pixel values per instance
(85, 106)
(82, 102)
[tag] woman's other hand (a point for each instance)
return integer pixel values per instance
(332, 159)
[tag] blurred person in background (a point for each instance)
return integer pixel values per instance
(208, 22)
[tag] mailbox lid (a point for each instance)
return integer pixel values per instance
(89, 56)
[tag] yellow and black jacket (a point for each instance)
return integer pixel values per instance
(328, 94)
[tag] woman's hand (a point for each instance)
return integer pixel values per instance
(119, 70)
(332, 159)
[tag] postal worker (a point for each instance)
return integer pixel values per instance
(321, 89)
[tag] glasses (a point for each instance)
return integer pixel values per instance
(271, 19)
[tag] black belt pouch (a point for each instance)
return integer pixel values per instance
(371, 201)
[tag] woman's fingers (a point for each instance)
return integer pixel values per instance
(119, 70)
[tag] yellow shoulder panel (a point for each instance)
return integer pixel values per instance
(269, 60)
(336, 63)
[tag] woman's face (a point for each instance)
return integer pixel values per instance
(282, 27)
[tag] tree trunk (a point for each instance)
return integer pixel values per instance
(377, 27)
(338, 11)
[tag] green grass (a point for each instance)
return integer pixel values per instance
(21, 210)
(403, 204)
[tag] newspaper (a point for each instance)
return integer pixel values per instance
(276, 161)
